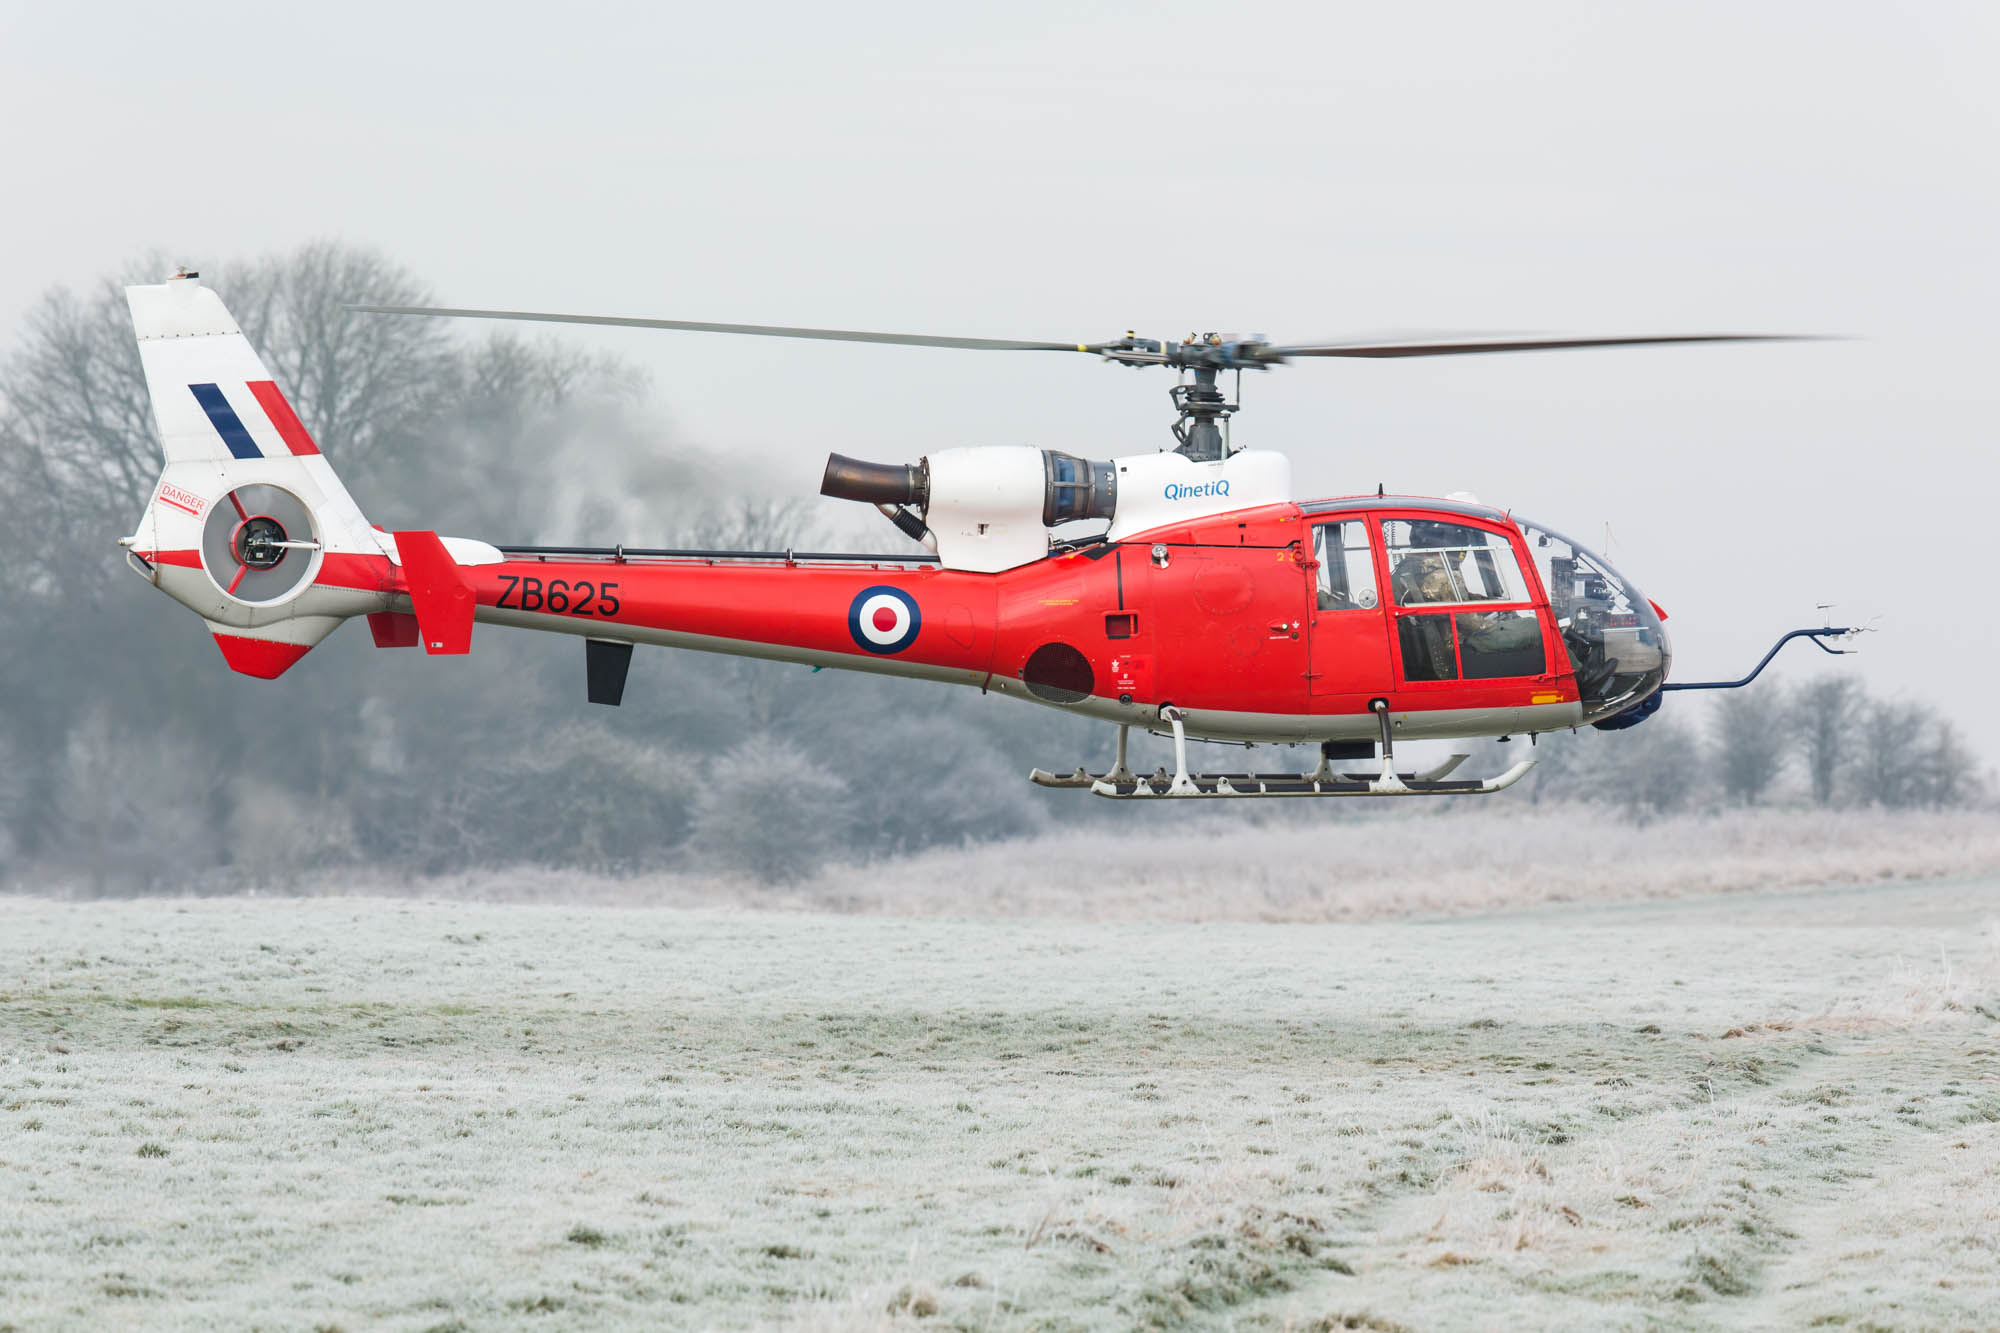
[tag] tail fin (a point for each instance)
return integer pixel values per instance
(248, 526)
(218, 406)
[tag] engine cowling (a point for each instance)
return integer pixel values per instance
(993, 507)
(988, 508)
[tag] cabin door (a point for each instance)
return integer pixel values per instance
(1349, 626)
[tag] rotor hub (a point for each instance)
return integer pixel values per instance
(257, 540)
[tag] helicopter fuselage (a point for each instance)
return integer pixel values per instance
(1225, 618)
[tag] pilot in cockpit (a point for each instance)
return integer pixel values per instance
(1426, 575)
(1443, 568)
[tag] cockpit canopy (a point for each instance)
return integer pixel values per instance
(1616, 643)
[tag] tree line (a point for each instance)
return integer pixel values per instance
(1826, 742)
(132, 760)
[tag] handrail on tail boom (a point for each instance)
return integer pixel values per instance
(1816, 635)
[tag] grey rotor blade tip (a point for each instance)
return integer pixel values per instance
(1474, 346)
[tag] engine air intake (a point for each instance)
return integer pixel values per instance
(1077, 488)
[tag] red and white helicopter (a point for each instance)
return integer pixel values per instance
(1185, 592)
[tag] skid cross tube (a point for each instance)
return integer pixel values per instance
(1816, 635)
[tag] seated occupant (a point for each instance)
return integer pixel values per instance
(1425, 576)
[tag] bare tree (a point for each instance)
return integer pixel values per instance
(77, 449)
(751, 523)
(589, 796)
(1651, 769)
(1654, 768)
(355, 380)
(1889, 763)
(140, 806)
(14, 778)
(769, 811)
(362, 384)
(1750, 729)
(1563, 763)
(947, 781)
(1910, 755)
(1825, 712)
(79, 452)
(1951, 773)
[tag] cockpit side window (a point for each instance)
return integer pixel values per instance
(1346, 574)
(1433, 562)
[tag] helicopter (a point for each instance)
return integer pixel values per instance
(1185, 591)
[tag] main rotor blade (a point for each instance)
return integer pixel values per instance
(755, 330)
(1470, 347)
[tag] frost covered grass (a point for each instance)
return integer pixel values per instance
(1450, 859)
(1772, 1110)
(1285, 862)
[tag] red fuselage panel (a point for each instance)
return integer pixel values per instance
(1216, 614)
(901, 613)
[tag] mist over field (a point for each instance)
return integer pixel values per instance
(1259, 865)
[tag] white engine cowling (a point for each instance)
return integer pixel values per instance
(992, 507)
(986, 506)
(1157, 489)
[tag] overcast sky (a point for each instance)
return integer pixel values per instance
(1073, 170)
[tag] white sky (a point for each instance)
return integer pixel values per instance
(1072, 170)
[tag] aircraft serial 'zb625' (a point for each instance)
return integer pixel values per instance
(1183, 591)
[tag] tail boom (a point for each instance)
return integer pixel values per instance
(854, 614)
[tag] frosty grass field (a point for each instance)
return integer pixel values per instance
(1775, 1110)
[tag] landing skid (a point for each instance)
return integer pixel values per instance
(1122, 783)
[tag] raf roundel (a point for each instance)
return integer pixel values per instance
(884, 620)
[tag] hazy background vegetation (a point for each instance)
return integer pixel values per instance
(131, 760)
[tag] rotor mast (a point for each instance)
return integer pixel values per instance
(1204, 414)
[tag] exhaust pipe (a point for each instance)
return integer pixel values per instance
(877, 483)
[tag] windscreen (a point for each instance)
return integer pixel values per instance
(1614, 638)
